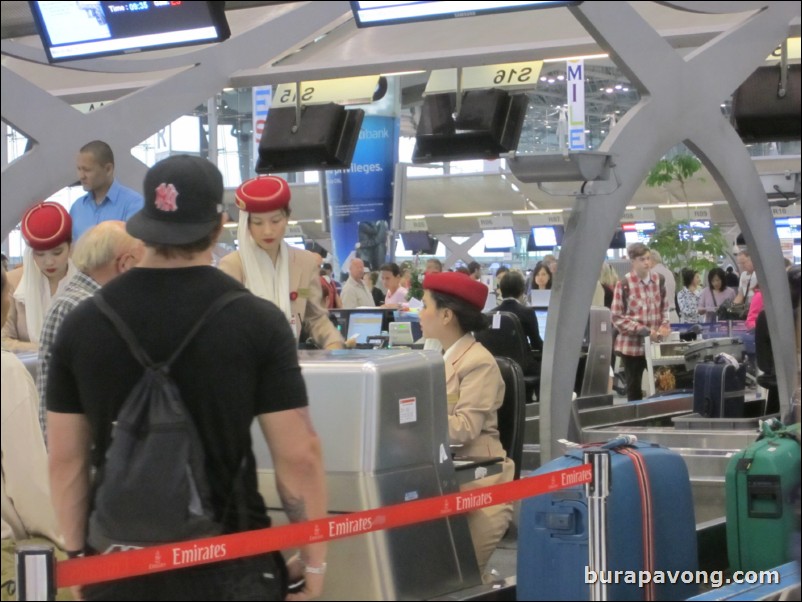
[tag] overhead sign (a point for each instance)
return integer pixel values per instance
(639, 215)
(261, 102)
(546, 219)
(690, 213)
(793, 211)
(294, 230)
(575, 70)
(346, 91)
(501, 221)
(518, 76)
(415, 225)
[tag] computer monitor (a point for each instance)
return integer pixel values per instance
(77, 30)
(499, 239)
(419, 242)
(540, 298)
(544, 238)
(364, 324)
(619, 240)
(368, 14)
(541, 314)
(787, 227)
(638, 232)
(296, 241)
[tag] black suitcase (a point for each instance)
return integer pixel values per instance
(718, 390)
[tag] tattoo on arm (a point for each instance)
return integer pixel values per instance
(294, 506)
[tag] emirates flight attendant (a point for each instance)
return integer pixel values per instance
(46, 271)
(272, 269)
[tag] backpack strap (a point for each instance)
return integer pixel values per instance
(215, 307)
(122, 329)
(133, 344)
(625, 293)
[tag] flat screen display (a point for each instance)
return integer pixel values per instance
(78, 30)
(697, 230)
(541, 316)
(368, 14)
(545, 238)
(296, 241)
(500, 239)
(419, 242)
(619, 240)
(787, 227)
(365, 324)
(540, 298)
(638, 232)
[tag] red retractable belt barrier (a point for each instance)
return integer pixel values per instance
(143, 561)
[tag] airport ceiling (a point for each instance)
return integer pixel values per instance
(344, 50)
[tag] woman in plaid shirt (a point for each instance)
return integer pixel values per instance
(639, 310)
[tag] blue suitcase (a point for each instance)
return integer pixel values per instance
(553, 537)
(718, 390)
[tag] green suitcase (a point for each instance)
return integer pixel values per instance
(760, 482)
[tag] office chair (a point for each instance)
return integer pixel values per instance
(512, 413)
(508, 340)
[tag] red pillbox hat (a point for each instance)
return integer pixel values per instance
(263, 194)
(457, 285)
(46, 225)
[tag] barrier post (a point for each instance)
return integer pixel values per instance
(597, 492)
(36, 572)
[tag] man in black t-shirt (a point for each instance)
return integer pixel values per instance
(242, 364)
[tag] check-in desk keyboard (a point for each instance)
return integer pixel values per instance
(473, 469)
(382, 420)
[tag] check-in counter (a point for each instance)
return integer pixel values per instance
(381, 416)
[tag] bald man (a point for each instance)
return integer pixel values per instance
(355, 293)
(103, 252)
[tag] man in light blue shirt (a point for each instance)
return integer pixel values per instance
(105, 198)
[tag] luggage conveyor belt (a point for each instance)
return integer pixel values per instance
(706, 451)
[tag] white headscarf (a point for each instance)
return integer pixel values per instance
(262, 277)
(33, 291)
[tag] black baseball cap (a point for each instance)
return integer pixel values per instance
(183, 202)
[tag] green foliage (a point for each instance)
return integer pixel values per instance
(415, 279)
(415, 285)
(675, 240)
(675, 243)
(679, 168)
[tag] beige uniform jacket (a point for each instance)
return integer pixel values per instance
(307, 307)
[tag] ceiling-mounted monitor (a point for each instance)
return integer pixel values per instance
(419, 242)
(325, 138)
(488, 124)
(498, 239)
(788, 227)
(544, 238)
(638, 232)
(368, 14)
(619, 241)
(79, 30)
(697, 230)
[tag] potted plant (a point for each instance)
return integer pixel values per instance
(680, 243)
